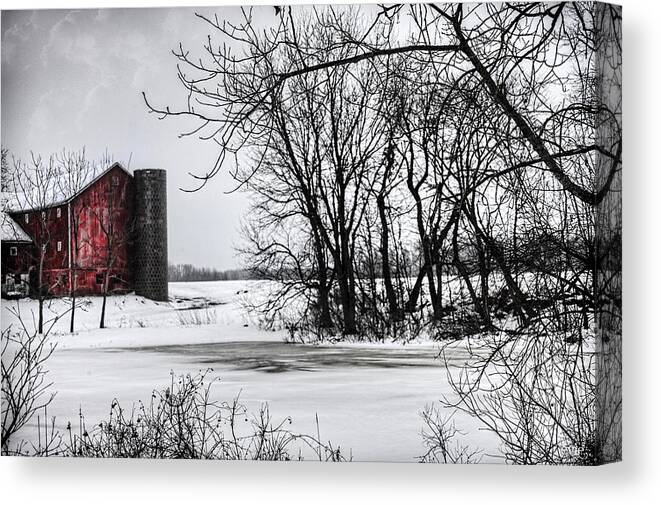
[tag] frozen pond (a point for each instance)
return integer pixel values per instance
(277, 357)
(368, 399)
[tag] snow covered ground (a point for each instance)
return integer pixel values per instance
(368, 398)
(136, 321)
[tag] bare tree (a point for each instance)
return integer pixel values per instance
(34, 188)
(4, 177)
(25, 387)
(315, 164)
(75, 171)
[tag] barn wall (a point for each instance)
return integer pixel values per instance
(49, 230)
(104, 206)
(103, 215)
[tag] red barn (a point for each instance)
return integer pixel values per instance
(81, 242)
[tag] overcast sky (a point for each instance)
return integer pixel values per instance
(74, 78)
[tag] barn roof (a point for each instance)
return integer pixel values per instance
(92, 182)
(64, 198)
(11, 232)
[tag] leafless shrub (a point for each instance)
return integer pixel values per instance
(182, 421)
(535, 392)
(25, 387)
(197, 317)
(439, 435)
(49, 439)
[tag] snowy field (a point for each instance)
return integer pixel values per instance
(368, 397)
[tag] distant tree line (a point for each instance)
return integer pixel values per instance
(185, 272)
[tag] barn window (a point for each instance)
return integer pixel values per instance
(99, 278)
(13, 251)
(114, 181)
(59, 244)
(27, 218)
(59, 212)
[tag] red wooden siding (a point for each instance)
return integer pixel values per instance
(47, 228)
(108, 202)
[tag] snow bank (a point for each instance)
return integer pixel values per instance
(197, 313)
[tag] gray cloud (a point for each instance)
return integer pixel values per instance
(73, 78)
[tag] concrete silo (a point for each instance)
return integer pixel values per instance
(151, 234)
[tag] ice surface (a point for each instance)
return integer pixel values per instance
(368, 397)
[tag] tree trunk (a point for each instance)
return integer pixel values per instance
(323, 290)
(439, 284)
(102, 323)
(73, 261)
(348, 304)
(391, 295)
(323, 294)
(72, 323)
(40, 323)
(345, 267)
(484, 282)
(74, 288)
(426, 250)
(464, 274)
(412, 302)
